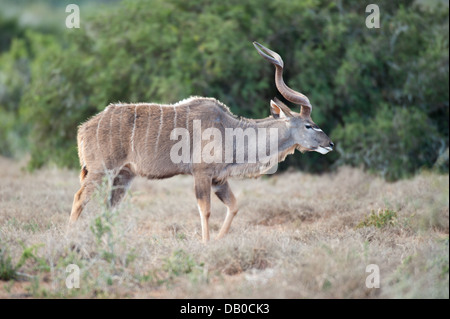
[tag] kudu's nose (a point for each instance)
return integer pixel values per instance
(331, 144)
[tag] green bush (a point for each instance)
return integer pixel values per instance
(394, 143)
(381, 94)
(14, 79)
(9, 30)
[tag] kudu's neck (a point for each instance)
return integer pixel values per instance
(278, 144)
(279, 125)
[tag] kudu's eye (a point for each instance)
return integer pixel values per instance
(308, 126)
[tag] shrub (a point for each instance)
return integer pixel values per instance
(395, 143)
(380, 219)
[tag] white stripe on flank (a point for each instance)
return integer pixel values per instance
(134, 129)
(187, 127)
(187, 118)
(148, 129)
(98, 144)
(175, 117)
(110, 132)
(81, 151)
(159, 129)
(120, 126)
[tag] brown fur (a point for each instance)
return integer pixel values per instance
(126, 140)
(83, 174)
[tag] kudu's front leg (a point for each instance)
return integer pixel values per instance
(203, 194)
(224, 193)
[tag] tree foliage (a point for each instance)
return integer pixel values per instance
(381, 94)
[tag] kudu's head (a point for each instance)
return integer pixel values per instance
(305, 133)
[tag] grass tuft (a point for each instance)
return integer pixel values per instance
(380, 219)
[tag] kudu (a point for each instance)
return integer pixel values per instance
(126, 140)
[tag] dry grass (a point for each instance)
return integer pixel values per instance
(296, 236)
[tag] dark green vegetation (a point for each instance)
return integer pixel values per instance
(381, 94)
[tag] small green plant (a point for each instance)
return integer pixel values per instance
(181, 263)
(104, 224)
(9, 271)
(379, 219)
(105, 227)
(32, 227)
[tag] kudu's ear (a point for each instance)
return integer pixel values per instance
(279, 110)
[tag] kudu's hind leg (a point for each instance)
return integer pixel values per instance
(225, 194)
(203, 194)
(120, 186)
(89, 182)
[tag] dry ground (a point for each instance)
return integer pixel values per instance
(296, 236)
